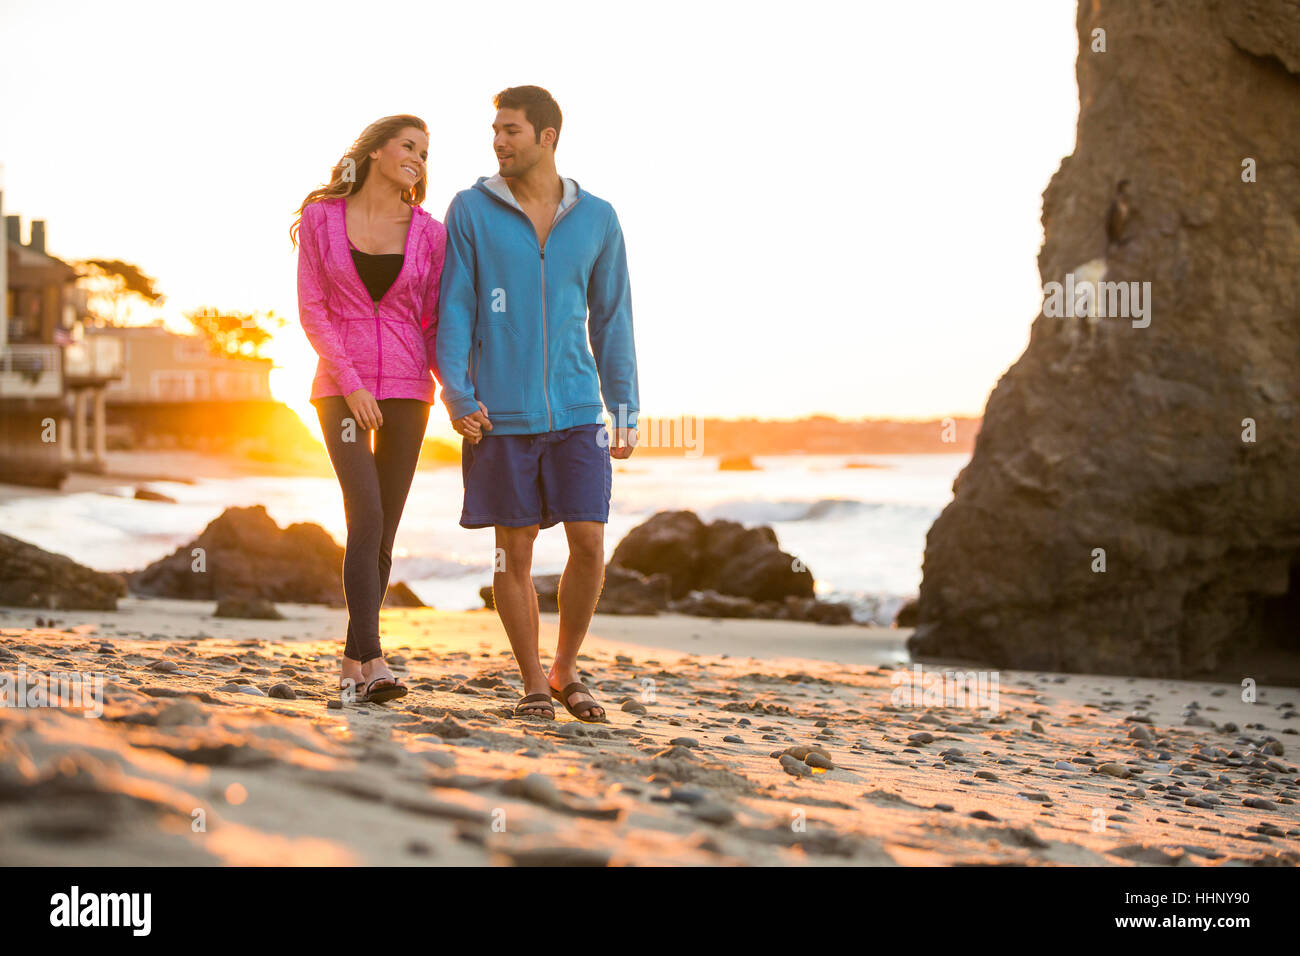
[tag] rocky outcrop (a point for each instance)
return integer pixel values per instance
(721, 556)
(1133, 501)
(243, 553)
(676, 562)
(33, 577)
(713, 604)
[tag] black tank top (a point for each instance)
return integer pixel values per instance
(378, 272)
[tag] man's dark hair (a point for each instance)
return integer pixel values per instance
(538, 105)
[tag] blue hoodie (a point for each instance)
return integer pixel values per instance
(515, 319)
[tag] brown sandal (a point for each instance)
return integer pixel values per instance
(382, 695)
(535, 700)
(577, 687)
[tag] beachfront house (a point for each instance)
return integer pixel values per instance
(175, 392)
(52, 379)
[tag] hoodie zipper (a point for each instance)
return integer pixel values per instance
(541, 255)
(379, 339)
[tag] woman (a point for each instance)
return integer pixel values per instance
(368, 274)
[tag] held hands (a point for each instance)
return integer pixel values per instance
(364, 409)
(472, 425)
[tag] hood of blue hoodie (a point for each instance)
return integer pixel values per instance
(497, 185)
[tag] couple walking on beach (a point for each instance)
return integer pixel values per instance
(520, 305)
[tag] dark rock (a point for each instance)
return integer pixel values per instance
(713, 604)
(627, 591)
(255, 608)
(747, 562)
(400, 595)
(33, 577)
(907, 614)
(723, 556)
(246, 554)
(670, 543)
(1130, 439)
(144, 494)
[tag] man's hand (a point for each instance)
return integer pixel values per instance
(624, 442)
(472, 425)
(365, 409)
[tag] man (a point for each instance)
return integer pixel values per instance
(535, 271)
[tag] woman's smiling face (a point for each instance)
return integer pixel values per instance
(402, 159)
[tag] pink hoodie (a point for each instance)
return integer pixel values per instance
(386, 346)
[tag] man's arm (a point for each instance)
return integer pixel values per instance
(457, 310)
(609, 327)
(312, 310)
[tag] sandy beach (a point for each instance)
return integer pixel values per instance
(729, 743)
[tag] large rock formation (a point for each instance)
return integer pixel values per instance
(1170, 450)
(673, 561)
(33, 577)
(721, 556)
(245, 554)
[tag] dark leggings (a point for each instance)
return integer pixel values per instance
(374, 485)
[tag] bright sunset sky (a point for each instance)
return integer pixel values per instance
(829, 207)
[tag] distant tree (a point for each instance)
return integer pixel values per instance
(234, 333)
(116, 289)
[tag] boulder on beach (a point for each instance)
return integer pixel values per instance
(33, 577)
(1133, 501)
(401, 595)
(721, 556)
(251, 608)
(243, 553)
(906, 616)
(708, 603)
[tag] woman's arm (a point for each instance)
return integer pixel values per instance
(429, 311)
(312, 311)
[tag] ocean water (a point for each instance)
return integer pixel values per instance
(861, 531)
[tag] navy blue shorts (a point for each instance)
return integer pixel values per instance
(541, 479)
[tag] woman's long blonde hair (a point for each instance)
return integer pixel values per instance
(351, 170)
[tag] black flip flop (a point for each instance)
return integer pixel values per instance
(577, 687)
(395, 690)
(537, 699)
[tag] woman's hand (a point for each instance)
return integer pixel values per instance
(472, 425)
(365, 409)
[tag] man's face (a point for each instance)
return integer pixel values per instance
(515, 142)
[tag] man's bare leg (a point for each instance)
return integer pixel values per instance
(516, 603)
(580, 585)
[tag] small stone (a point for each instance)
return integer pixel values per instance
(796, 768)
(282, 692)
(1114, 770)
(713, 811)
